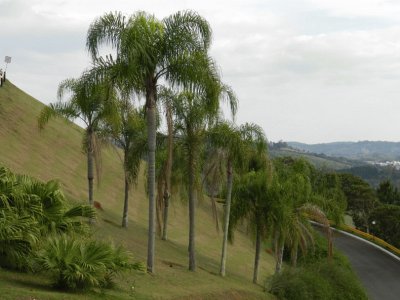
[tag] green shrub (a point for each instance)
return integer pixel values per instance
(319, 253)
(317, 281)
(17, 234)
(317, 278)
(31, 210)
(81, 264)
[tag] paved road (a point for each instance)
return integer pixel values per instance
(379, 272)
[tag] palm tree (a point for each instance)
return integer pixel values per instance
(91, 102)
(148, 50)
(252, 199)
(128, 133)
(193, 115)
(235, 144)
(166, 97)
(292, 208)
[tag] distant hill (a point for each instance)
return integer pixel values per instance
(363, 150)
(375, 174)
(371, 173)
(318, 160)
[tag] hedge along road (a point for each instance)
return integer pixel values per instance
(378, 271)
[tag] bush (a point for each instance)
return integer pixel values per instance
(319, 253)
(317, 278)
(17, 235)
(31, 210)
(318, 281)
(81, 264)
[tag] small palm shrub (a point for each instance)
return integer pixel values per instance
(78, 264)
(17, 234)
(30, 210)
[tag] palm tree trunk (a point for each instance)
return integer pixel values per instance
(126, 197)
(90, 176)
(257, 256)
(151, 141)
(90, 172)
(165, 215)
(294, 255)
(192, 253)
(279, 247)
(167, 191)
(226, 220)
(279, 259)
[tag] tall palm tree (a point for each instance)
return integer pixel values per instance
(150, 50)
(193, 116)
(91, 102)
(166, 96)
(235, 144)
(252, 200)
(128, 133)
(292, 207)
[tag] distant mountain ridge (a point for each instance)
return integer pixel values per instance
(362, 150)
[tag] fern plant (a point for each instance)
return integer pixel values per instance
(82, 264)
(31, 210)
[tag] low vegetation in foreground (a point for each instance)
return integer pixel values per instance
(318, 278)
(41, 233)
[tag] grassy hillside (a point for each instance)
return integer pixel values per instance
(319, 161)
(56, 153)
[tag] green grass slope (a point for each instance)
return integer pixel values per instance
(56, 153)
(318, 160)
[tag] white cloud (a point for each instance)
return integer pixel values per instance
(359, 8)
(300, 82)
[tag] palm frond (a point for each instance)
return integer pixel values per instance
(106, 29)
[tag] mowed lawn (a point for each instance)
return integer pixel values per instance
(56, 153)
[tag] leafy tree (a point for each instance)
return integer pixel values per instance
(91, 102)
(385, 223)
(361, 199)
(328, 195)
(149, 50)
(387, 193)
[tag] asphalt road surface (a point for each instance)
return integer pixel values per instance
(378, 271)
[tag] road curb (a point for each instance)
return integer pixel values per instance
(370, 243)
(361, 239)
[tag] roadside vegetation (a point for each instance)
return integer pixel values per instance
(317, 278)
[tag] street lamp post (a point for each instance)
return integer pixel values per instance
(7, 60)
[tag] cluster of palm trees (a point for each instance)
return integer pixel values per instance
(278, 198)
(167, 62)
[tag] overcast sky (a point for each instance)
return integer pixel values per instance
(305, 70)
